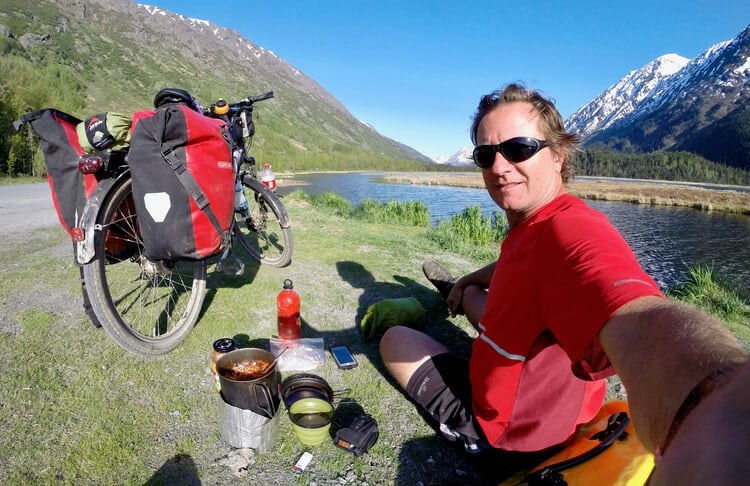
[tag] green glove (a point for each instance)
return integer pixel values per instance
(382, 315)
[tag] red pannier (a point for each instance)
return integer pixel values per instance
(183, 182)
(61, 149)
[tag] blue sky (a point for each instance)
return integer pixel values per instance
(415, 70)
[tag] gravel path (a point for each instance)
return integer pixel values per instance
(25, 207)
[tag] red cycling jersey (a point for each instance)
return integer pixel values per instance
(561, 274)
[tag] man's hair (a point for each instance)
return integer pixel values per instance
(550, 122)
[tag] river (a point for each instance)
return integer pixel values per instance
(666, 240)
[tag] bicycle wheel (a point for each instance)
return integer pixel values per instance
(147, 307)
(265, 232)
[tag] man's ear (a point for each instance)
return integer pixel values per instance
(558, 160)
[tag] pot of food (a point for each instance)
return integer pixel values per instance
(249, 380)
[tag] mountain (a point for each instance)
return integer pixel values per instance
(461, 158)
(89, 56)
(620, 100)
(700, 107)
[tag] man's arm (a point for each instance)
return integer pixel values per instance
(480, 279)
(662, 350)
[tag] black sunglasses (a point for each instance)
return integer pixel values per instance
(514, 150)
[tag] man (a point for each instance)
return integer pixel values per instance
(565, 302)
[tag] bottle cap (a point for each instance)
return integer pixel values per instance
(288, 284)
(221, 107)
(224, 345)
(266, 166)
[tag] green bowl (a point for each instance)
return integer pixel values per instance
(311, 419)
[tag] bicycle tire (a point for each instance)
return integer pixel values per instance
(265, 232)
(147, 308)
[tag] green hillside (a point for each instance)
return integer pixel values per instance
(86, 57)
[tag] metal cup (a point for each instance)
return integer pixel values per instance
(260, 395)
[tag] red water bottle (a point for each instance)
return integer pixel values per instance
(267, 177)
(288, 304)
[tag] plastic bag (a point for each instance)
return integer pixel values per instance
(303, 354)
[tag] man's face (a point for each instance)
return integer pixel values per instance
(519, 188)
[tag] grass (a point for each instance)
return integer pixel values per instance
(75, 408)
(716, 294)
(25, 179)
(472, 233)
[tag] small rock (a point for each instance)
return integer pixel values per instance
(238, 461)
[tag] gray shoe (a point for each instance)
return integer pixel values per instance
(439, 277)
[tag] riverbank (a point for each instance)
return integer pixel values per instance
(677, 194)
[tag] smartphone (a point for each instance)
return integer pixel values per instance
(343, 357)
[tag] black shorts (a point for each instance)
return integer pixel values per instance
(441, 385)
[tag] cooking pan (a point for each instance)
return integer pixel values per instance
(259, 394)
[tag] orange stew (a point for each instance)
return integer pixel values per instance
(247, 369)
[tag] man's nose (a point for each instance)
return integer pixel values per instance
(501, 165)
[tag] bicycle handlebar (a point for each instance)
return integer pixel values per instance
(239, 105)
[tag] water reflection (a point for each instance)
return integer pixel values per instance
(668, 240)
(442, 202)
(665, 240)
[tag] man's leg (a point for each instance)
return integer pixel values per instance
(404, 350)
(437, 380)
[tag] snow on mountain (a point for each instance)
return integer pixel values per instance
(462, 157)
(625, 96)
(696, 71)
(666, 103)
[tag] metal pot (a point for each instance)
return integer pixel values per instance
(261, 394)
(305, 385)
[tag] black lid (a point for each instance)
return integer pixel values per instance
(224, 345)
(288, 284)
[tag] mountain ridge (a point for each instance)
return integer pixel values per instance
(137, 49)
(710, 90)
(674, 103)
(624, 97)
(671, 103)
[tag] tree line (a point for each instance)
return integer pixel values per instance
(668, 166)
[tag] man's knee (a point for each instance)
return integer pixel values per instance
(389, 343)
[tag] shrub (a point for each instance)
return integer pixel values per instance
(471, 232)
(411, 213)
(331, 200)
